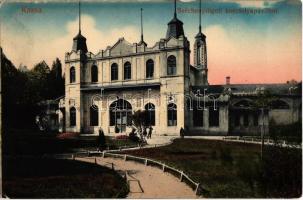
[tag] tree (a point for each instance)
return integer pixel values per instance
(264, 97)
(38, 85)
(139, 119)
(56, 80)
(13, 83)
(23, 89)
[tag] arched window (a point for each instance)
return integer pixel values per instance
(114, 72)
(94, 115)
(72, 75)
(150, 114)
(72, 117)
(279, 104)
(149, 68)
(246, 119)
(198, 56)
(256, 119)
(127, 71)
(171, 65)
(172, 114)
(94, 73)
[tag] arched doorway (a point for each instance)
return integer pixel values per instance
(120, 115)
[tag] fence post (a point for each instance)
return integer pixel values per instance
(125, 157)
(88, 154)
(163, 167)
(103, 154)
(145, 162)
(197, 188)
(181, 177)
(95, 160)
(73, 157)
(112, 166)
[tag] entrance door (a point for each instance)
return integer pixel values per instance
(121, 121)
(120, 111)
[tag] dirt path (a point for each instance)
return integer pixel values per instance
(146, 181)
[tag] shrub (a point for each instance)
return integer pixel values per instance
(133, 137)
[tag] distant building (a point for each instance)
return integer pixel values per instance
(47, 119)
(103, 89)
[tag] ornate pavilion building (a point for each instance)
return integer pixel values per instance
(103, 89)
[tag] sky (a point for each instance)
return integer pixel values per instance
(250, 48)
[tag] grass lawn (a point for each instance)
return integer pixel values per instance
(51, 178)
(234, 170)
(37, 143)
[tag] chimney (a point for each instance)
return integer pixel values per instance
(227, 80)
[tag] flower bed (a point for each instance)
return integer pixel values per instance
(121, 137)
(68, 135)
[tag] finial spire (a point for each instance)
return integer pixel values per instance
(79, 16)
(175, 13)
(141, 25)
(200, 17)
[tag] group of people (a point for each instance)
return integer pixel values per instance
(149, 133)
(101, 142)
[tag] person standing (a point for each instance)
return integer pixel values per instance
(145, 132)
(150, 131)
(182, 132)
(101, 140)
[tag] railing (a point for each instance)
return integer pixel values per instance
(267, 141)
(126, 157)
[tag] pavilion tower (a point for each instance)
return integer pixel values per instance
(200, 54)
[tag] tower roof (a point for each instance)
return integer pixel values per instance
(79, 43)
(200, 35)
(175, 26)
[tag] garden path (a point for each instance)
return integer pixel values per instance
(147, 181)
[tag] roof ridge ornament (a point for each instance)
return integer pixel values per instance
(80, 16)
(200, 10)
(142, 37)
(175, 13)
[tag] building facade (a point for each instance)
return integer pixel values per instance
(104, 89)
